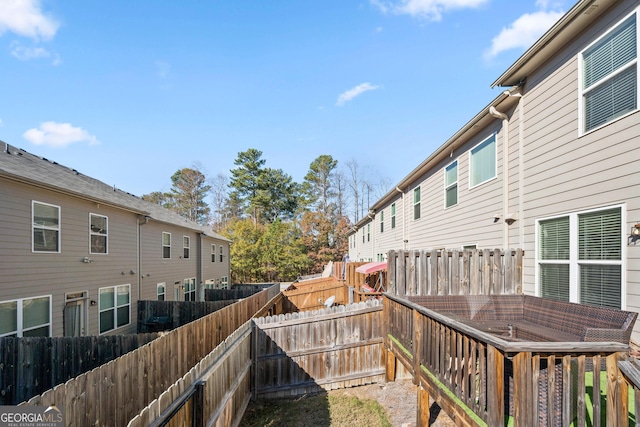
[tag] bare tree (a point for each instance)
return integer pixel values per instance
(355, 184)
(219, 199)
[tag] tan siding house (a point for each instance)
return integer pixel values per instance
(566, 186)
(76, 255)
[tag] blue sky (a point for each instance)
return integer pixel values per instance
(129, 92)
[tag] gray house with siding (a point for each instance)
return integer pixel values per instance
(77, 254)
(549, 165)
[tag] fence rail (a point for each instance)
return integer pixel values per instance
(455, 272)
(113, 394)
(30, 366)
(306, 352)
(488, 380)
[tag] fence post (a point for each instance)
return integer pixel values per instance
(417, 346)
(198, 404)
(495, 387)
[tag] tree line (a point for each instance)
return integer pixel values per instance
(280, 229)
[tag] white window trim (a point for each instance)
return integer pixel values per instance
(418, 189)
(114, 308)
(213, 252)
(446, 187)
(193, 291)
(221, 253)
(164, 246)
(394, 210)
(581, 91)
(91, 233)
(495, 175)
(164, 293)
(574, 262)
(20, 316)
(187, 246)
(59, 228)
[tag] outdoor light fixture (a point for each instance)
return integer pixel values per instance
(86, 260)
(635, 230)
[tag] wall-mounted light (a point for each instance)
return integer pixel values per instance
(86, 260)
(93, 302)
(510, 218)
(635, 230)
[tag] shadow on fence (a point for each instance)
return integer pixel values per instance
(165, 315)
(30, 366)
(115, 393)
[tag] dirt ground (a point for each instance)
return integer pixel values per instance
(400, 400)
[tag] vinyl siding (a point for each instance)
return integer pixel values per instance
(568, 173)
(24, 274)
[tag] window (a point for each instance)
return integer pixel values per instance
(482, 162)
(610, 76)
(580, 257)
(362, 234)
(393, 215)
(221, 254)
(451, 185)
(98, 234)
(26, 317)
(166, 245)
(213, 253)
(381, 221)
(416, 203)
(369, 232)
(114, 307)
(161, 291)
(189, 289)
(186, 245)
(46, 227)
(469, 247)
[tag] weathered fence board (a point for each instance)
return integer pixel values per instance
(310, 351)
(468, 272)
(174, 313)
(155, 366)
(32, 365)
(312, 294)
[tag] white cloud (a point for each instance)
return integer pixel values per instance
(429, 9)
(24, 18)
(355, 91)
(58, 135)
(523, 32)
(1, 123)
(24, 53)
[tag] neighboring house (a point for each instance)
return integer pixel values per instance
(550, 166)
(76, 254)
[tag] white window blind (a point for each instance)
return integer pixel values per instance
(451, 184)
(483, 162)
(610, 75)
(554, 242)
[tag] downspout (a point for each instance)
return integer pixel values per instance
(138, 257)
(372, 216)
(505, 172)
(404, 232)
(521, 171)
(199, 274)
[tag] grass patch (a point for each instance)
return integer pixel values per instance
(318, 410)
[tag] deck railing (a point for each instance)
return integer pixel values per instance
(480, 379)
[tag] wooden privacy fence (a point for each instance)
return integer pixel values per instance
(30, 366)
(480, 379)
(167, 315)
(235, 293)
(298, 353)
(455, 272)
(312, 294)
(115, 393)
(215, 392)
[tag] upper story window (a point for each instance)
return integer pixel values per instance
(362, 234)
(393, 215)
(46, 227)
(369, 232)
(26, 317)
(114, 307)
(451, 185)
(482, 162)
(213, 253)
(186, 246)
(166, 245)
(610, 76)
(98, 233)
(221, 254)
(381, 221)
(416, 203)
(579, 257)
